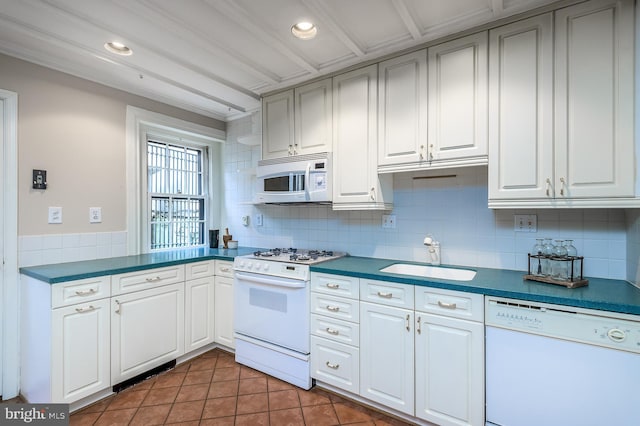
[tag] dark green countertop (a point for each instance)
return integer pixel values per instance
(71, 271)
(602, 294)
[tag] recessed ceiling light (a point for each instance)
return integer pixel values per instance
(304, 30)
(118, 48)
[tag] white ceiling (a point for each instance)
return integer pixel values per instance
(216, 57)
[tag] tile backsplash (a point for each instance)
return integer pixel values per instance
(58, 248)
(451, 205)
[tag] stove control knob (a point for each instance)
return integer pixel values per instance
(241, 264)
(249, 265)
(265, 266)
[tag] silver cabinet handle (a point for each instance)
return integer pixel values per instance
(548, 186)
(422, 152)
(87, 309)
(385, 295)
(334, 366)
(224, 269)
(562, 184)
(85, 292)
(333, 308)
(153, 280)
(446, 305)
(431, 152)
(408, 324)
(333, 286)
(418, 325)
(372, 194)
(332, 331)
(118, 306)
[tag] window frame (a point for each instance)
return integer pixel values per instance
(141, 122)
(183, 143)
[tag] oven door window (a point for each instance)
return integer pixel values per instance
(288, 183)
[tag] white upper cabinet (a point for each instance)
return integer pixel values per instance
(561, 126)
(357, 185)
(521, 105)
(402, 119)
(277, 125)
(594, 102)
(458, 101)
(312, 118)
(297, 121)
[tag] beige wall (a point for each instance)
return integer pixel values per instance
(75, 130)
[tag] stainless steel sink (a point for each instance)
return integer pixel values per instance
(426, 271)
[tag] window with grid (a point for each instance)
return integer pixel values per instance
(177, 195)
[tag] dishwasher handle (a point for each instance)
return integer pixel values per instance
(271, 281)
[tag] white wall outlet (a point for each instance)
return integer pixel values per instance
(389, 221)
(245, 220)
(95, 214)
(55, 214)
(525, 223)
(259, 219)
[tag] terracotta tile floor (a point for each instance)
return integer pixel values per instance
(213, 390)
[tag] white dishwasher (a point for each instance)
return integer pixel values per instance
(551, 365)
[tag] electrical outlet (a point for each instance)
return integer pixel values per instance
(245, 220)
(525, 223)
(389, 221)
(95, 214)
(259, 219)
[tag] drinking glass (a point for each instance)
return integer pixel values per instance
(559, 268)
(572, 252)
(547, 252)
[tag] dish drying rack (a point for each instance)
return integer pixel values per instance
(572, 281)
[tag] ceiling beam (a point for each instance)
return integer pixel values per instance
(253, 25)
(409, 22)
(322, 11)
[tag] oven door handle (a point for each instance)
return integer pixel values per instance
(276, 282)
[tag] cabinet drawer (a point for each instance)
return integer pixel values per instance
(335, 307)
(337, 285)
(200, 269)
(79, 291)
(335, 364)
(335, 329)
(387, 293)
(150, 278)
(451, 303)
(224, 268)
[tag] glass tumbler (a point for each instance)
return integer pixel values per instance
(538, 249)
(572, 252)
(559, 269)
(547, 252)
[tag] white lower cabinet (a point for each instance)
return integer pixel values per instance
(386, 356)
(449, 357)
(223, 310)
(199, 324)
(416, 350)
(147, 330)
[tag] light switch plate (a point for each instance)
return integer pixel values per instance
(258, 219)
(389, 221)
(55, 214)
(95, 214)
(525, 223)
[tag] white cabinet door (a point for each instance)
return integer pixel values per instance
(402, 118)
(199, 313)
(356, 184)
(80, 351)
(224, 312)
(147, 330)
(594, 100)
(277, 125)
(313, 122)
(449, 370)
(387, 356)
(521, 105)
(458, 99)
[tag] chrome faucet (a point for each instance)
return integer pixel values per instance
(434, 250)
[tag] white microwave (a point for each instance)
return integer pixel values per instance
(298, 179)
